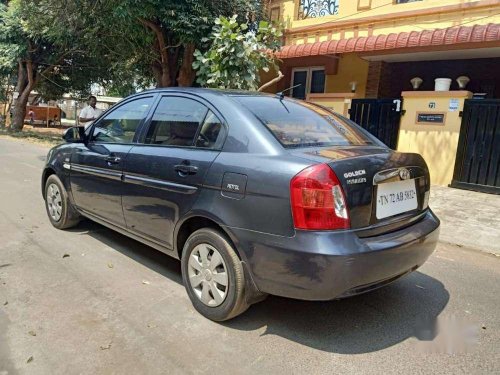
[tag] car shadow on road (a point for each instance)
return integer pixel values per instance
(155, 260)
(367, 323)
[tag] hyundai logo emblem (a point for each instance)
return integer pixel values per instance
(404, 174)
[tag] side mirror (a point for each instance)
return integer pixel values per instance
(75, 134)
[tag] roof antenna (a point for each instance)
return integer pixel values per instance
(281, 94)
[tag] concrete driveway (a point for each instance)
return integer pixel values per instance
(468, 218)
(90, 300)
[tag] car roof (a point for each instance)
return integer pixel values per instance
(201, 90)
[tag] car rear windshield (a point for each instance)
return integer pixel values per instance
(301, 124)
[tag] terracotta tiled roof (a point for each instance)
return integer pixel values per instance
(425, 38)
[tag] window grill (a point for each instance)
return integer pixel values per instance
(318, 8)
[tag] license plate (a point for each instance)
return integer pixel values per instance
(396, 197)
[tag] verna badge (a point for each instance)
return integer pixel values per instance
(404, 174)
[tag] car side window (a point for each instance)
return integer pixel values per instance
(120, 125)
(210, 131)
(177, 121)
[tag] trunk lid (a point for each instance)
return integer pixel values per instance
(362, 170)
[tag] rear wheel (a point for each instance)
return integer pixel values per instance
(61, 213)
(213, 275)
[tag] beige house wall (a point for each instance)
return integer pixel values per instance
(436, 143)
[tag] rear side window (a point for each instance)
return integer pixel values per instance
(210, 132)
(300, 124)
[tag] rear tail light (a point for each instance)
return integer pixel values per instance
(318, 202)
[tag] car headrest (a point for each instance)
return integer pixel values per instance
(184, 130)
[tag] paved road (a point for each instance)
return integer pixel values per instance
(116, 306)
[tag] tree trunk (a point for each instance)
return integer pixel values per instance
(161, 74)
(19, 113)
(165, 77)
(187, 73)
(25, 82)
(161, 68)
(173, 63)
(271, 82)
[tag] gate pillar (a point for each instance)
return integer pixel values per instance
(430, 126)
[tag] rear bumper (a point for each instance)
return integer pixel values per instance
(329, 265)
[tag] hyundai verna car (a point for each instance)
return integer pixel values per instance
(256, 194)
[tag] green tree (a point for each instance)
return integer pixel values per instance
(237, 54)
(160, 36)
(50, 44)
(57, 46)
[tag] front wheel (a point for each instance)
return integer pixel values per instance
(61, 213)
(213, 275)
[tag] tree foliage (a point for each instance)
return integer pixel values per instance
(159, 37)
(61, 46)
(237, 54)
(49, 44)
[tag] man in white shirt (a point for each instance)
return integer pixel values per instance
(89, 113)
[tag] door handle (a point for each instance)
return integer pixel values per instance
(113, 159)
(185, 169)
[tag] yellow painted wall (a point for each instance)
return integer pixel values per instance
(365, 22)
(436, 143)
(339, 102)
(348, 11)
(351, 68)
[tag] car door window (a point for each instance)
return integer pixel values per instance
(210, 132)
(121, 124)
(176, 121)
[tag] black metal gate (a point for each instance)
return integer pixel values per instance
(381, 117)
(478, 156)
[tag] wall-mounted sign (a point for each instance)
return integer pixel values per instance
(432, 105)
(454, 103)
(398, 104)
(435, 118)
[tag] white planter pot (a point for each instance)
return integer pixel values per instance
(442, 84)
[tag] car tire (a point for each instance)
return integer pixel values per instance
(194, 270)
(61, 212)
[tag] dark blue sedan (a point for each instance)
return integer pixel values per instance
(256, 194)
